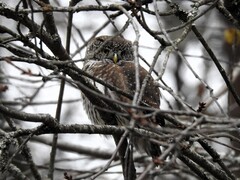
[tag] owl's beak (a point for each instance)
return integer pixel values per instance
(115, 58)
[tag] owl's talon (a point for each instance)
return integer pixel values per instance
(157, 161)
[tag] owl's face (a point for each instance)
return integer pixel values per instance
(111, 48)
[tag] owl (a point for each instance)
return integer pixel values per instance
(111, 59)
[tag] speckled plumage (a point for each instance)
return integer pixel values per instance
(100, 63)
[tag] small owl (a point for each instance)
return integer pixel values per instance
(111, 59)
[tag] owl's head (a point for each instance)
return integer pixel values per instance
(113, 48)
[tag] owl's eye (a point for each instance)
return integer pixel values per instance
(123, 53)
(106, 51)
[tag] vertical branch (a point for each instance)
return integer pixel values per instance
(218, 65)
(55, 136)
(26, 151)
(52, 29)
(131, 172)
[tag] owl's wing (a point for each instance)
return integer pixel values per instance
(122, 76)
(151, 94)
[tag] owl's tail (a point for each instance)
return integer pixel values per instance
(144, 145)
